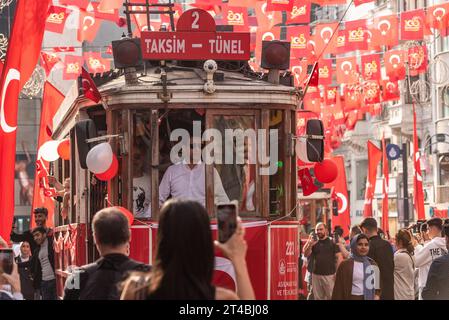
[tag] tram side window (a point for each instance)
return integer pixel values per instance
(141, 190)
(277, 193)
(236, 160)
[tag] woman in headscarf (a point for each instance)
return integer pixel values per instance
(23, 261)
(358, 278)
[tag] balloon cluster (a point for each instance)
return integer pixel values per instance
(102, 162)
(53, 150)
(100, 159)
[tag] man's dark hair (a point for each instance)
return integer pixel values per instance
(111, 227)
(369, 223)
(41, 210)
(423, 227)
(435, 222)
(40, 230)
(356, 230)
(446, 229)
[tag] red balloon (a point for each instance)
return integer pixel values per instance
(111, 172)
(326, 171)
(128, 214)
(64, 149)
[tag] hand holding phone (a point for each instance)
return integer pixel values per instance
(227, 221)
(6, 260)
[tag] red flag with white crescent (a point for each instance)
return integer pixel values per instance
(374, 157)
(385, 187)
(23, 52)
(51, 101)
(417, 180)
(347, 70)
(394, 61)
(386, 30)
(340, 194)
(89, 87)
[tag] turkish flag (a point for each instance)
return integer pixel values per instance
(394, 61)
(417, 60)
(372, 39)
(307, 185)
(72, 67)
(48, 61)
(314, 77)
(386, 30)
(340, 194)
(390, 90)
(300, 12)
(265, 19)
(236, 16)
(347, 70)
(279, 5)
(64, 49)
(89, 88)
(325, 40)
(371, 92)
(371, 67)
(56, 19)
(325, 72)
(88, 26)
(330, 96)
(385, 191)
(374, 157)
(298, 37)
(299, 71)
(412, 24)
(356, 35)
(352, 97)
(105, 14)
(95, 63)
(51, 101)
(359, 2)
(341, 42)
(24, 48)
(351, 119)
(438, 17)
(417, 179)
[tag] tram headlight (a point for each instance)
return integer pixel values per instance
(275, 55)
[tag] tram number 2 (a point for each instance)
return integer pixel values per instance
(290, 248)
(196, 17)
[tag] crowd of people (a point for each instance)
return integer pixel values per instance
(411, 266)
(183, 268)
(366, 266)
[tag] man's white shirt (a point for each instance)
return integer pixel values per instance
(181, 182)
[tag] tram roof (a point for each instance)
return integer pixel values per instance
(185, 84)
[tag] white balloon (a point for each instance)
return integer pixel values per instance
(49, 151)
(99, 158)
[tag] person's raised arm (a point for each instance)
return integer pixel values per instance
(164, 187)
(235, 250)
(422, 257)
(308, 246)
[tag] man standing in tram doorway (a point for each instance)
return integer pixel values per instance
(325, 257)
(187, 179)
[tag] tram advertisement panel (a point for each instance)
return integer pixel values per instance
(284, 250)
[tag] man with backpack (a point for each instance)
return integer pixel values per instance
(100, 280)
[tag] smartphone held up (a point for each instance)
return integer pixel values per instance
(226, 220)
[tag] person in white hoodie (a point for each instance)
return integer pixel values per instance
(433, 249)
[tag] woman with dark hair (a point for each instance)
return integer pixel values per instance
(404, 267)
(358, 277)
(184, 263)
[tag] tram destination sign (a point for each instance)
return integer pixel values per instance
(195, 39)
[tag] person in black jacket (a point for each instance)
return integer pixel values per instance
(43, 264)
(381, 252)
(100, 280)
(437, 285)
(40, 218)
